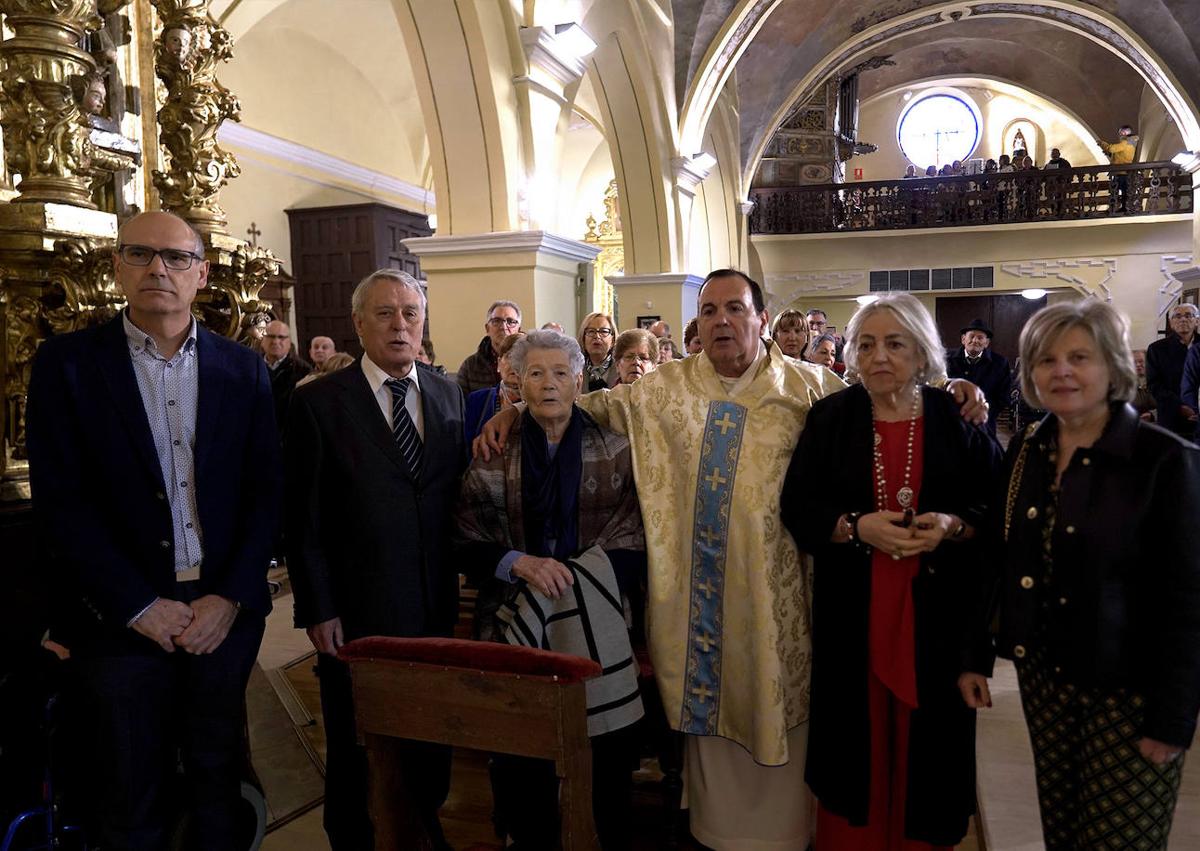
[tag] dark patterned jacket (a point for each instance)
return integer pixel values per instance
(480, 370)
(1124, 593)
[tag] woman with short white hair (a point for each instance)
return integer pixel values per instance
(904, 483)
(555, 522)
(1098, 587)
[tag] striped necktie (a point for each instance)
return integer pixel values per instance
(404, 430)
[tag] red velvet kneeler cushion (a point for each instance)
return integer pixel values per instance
(474, 656)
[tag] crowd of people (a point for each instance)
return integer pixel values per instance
(823, 570)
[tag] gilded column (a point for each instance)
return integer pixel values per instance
(186, 55)
(187, 52)
(45, 133)
(52, 237)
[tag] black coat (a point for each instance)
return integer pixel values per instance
(365, 542)
(1126, 580)
(832, 474)
(284, 378)
(990, 373)
(98, 495)
(1164, 375)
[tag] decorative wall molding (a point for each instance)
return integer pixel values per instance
(366, 180)
(1173, 281)
(542, 51)
(1062, 270)
(682, 279)
(688, 173)
(503, 241)
(785, 287)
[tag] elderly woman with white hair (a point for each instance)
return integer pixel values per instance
(891, 529)
(556, 520)
(1098, 587)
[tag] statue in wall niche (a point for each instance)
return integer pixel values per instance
(1019, 143)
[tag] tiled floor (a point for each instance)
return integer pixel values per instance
(1008, 803)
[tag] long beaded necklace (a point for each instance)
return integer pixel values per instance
(904, 496)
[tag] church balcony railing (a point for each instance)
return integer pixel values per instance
(1092, 192)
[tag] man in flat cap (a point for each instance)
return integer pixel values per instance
(976, 362)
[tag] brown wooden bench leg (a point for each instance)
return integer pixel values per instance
(575, 801)
(397, 824)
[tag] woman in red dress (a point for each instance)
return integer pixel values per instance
(886, 489)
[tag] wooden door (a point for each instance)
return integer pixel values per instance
(1006, 315)
(333, 248)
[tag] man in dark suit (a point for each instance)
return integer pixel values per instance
(1165, 362)
(374, 458)
(153, 452)
(285, 366)
(977, 363)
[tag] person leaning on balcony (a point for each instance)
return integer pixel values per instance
(1120, 152)
(1056, 160)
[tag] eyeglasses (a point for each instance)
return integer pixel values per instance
(631, 358)
(497, 321)
(174, 259)
(598, 332)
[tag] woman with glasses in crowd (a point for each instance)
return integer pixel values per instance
(636, 353)
(886, 491)
(1098, 587)
(597, 333)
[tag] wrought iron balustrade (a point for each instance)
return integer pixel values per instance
(1092, 192)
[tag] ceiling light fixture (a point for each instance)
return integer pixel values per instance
(1033, 294)
(864, 300)
(704, 161)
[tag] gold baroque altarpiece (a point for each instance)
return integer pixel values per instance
(107, 107)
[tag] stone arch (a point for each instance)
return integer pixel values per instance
(475, 149)
(1085, 20)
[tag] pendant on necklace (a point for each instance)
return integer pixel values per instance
(904, 496)
(878, 439)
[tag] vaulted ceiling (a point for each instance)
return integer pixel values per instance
(1044, 56)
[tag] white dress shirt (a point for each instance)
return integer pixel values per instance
(377, 379)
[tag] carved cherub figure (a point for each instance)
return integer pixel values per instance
(178, 44)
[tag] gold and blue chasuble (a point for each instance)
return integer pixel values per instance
(728, 606)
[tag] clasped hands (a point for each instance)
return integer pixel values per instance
(884, 531)
(197, 629)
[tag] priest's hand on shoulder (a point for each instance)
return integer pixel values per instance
(973, 404)
(327, 636)
(494, 434)
(548, 576)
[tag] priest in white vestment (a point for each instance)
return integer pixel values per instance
(728, 610)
